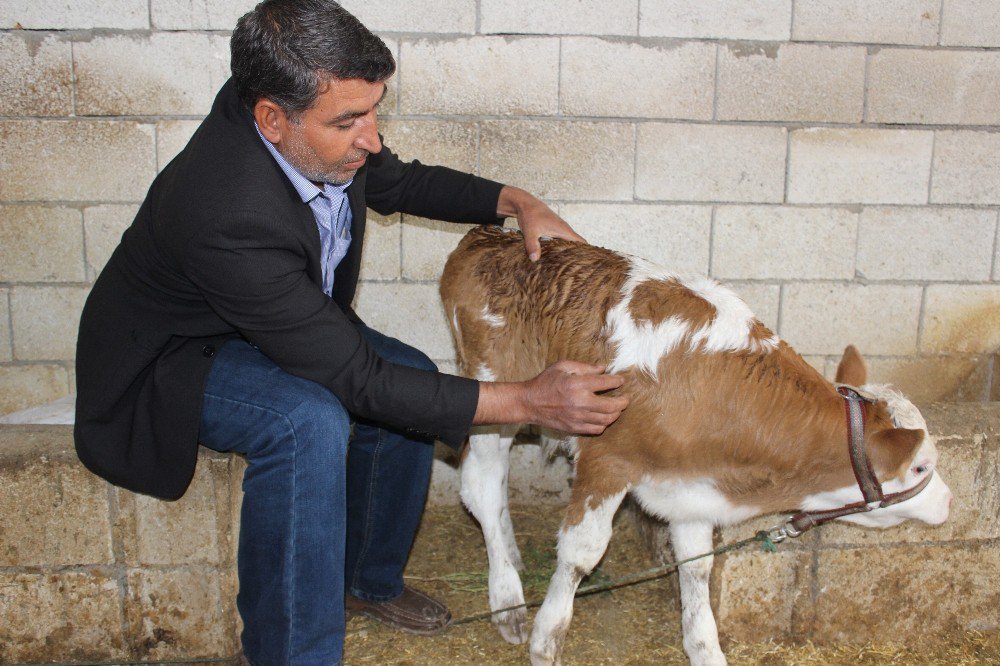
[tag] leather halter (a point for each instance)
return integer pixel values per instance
(854, 404)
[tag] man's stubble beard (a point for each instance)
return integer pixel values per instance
(304, 159)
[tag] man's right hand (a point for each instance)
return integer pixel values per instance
(563, 397)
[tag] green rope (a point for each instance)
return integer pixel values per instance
(762, 537)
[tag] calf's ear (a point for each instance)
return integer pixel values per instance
(892, 450)
(852, 368)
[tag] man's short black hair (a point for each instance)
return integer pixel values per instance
(285, 50)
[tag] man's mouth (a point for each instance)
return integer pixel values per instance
(356, 164)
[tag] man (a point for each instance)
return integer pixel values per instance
(224, 316)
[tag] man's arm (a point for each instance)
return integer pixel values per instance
(445, 194)
(564, 397)
(252, 272)
(435, 192)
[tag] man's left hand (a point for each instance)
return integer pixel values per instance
(534, 218)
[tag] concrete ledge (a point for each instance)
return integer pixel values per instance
(92, 572)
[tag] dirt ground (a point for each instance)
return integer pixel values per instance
(632, 625)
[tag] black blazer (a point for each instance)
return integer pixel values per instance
(223, 247)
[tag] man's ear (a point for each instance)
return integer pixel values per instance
(271, 119)
(852, 368)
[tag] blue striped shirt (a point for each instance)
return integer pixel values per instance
(331, 210)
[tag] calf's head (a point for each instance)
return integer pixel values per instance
(902, 454)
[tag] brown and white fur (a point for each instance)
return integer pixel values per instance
(725, 421)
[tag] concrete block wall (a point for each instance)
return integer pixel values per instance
(836, 162)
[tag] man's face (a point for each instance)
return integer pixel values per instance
(330, 141)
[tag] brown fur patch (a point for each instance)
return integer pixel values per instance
(649, 299)
(552, 309)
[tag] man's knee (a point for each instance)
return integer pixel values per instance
(321, 417)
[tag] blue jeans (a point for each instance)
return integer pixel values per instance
(323, 508)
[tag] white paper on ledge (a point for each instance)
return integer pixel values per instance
(60, 412)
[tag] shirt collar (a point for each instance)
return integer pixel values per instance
(306, 188)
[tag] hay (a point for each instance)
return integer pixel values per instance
(968, 649)
(631, 626)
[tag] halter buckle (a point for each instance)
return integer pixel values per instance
(782, 532)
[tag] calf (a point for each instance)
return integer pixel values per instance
(725, 421)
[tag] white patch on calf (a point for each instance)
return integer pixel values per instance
(931, 505)
(484, 374)
(642, 345)
(583, 544)
(495, 321)
(730, 329)
(456, 331)
(685, 501)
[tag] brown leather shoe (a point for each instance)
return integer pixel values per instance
(412, 611)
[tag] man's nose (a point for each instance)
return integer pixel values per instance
(368, 139)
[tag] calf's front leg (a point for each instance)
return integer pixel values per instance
(484, 492)
(701, 636)
(581, 547)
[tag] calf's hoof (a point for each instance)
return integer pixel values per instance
(544, 659)
(513, 625)
(707, 656)
(546, 648)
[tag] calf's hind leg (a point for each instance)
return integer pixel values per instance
(484, 492)
(581, 547)
(701, 636)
